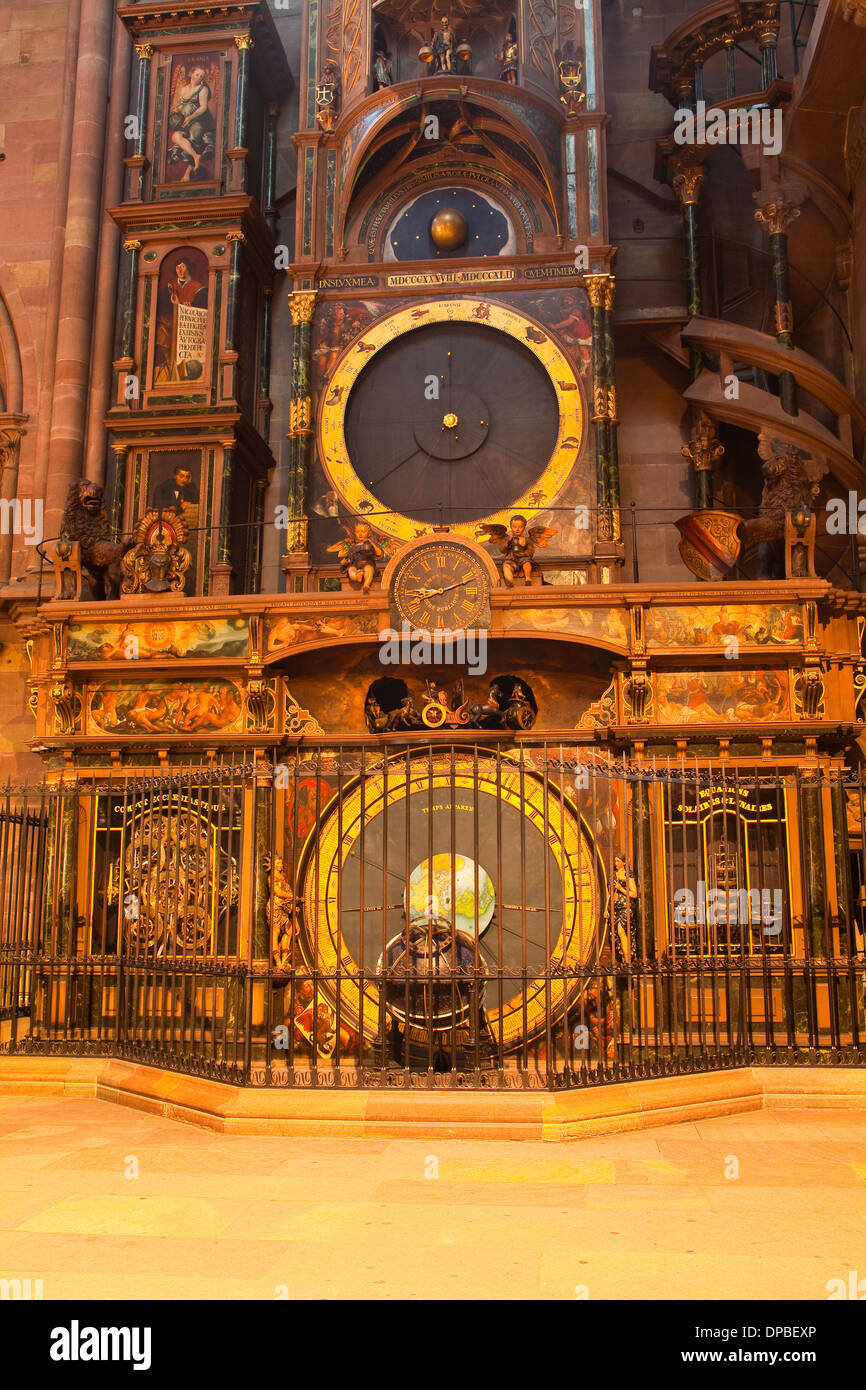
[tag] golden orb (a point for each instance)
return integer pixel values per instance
(450, 421)
(449, 229)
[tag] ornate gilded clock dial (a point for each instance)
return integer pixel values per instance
(451, 422)
(401, 828)
(451, 412)
(441, 586)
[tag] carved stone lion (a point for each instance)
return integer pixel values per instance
(85, 521)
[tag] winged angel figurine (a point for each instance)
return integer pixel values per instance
(517, 546)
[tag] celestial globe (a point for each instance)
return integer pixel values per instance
(430, 893)
(449, 229)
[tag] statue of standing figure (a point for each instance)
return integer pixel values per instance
(443, 47)
(382, 69)
(509, 58)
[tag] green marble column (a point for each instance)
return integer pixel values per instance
(118, 490)
(244, 42)
(814, 869)
(224, 544)
(127, 340)
(59, 908)
(265, 365)
(768, 39)
(263, 853)
(687, 182)
(777, 216)
(596, 290)
(642, 866)
(236, 240)
(270, 174)
(302, 304)
(612, 476)
(842, 862)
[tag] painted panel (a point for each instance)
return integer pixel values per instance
(165, 707)
(713, 625)
(708, 697)
(608, 624)
(145, 641)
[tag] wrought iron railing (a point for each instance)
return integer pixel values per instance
(481, 913)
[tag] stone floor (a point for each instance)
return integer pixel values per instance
(100, 1201)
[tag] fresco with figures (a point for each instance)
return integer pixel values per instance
(712, 625)
(298, 630)
(145, 641)
(607, 624)
(707, 697)
(165, 707)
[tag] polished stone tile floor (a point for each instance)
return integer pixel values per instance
(104, 1202)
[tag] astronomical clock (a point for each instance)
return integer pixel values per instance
(453, 441)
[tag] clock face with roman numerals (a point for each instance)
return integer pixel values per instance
(441, 586)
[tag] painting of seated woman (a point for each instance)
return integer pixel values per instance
(192, 127)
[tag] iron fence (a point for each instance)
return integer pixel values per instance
(471, 913)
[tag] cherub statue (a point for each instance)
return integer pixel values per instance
(358, 555)
(517, 545)
(443, 47)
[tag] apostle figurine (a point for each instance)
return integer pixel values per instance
(443, 47)
(358, 555)
(509, 59)
(517, 546)
(382, 69)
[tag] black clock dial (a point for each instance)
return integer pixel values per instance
(451, 423)
(441, 585)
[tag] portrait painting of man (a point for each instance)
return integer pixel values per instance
(181, 317)
(174, 484)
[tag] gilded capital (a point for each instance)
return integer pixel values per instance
(687, 183)
(777, 216)
(144, 51)
(245, 42)
(132, 245)
(302, 304)
(704, 447)
(596, 288)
